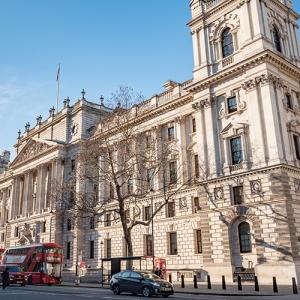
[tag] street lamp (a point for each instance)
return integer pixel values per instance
(152, 228)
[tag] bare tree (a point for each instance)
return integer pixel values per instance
(121, 165)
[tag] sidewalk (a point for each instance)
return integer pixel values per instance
(231, 290)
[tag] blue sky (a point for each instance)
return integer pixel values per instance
(101, 45)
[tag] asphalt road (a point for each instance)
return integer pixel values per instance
(77, 293)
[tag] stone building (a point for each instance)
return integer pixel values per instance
(4, 161)
(236, 127)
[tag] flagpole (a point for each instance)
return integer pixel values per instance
(57, 79)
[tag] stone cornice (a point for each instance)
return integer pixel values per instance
(265, 57)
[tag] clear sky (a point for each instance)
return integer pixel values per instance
(101, 45)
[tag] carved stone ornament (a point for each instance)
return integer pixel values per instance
(32, 149)
(297, 185)
(182, 203)
(262, 80)
(26, 235)
(219, 193)
(255, 187)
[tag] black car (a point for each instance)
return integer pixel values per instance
(143, 283)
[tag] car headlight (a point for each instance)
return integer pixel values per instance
(156, 284)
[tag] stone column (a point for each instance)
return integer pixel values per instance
(196, 48)
(26, 197)
(181, 145)
(13, 199)
(29, 194)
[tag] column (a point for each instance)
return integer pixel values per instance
(196, 48)
(181, 145)
(29, 193)
(13, 199)
(26, 197)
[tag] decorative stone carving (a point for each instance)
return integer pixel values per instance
(182, 203)
(26, 235)
(262, 80)
(219, 193)
(255, 186)
(297, 185)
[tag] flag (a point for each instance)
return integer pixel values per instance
(58, 71)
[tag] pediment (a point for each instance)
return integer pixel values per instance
(232, 129)
(34, 147)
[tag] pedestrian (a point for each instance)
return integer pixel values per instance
(160, 273)
(156, 272)
(5, 278)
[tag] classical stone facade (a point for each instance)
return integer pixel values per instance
(236, 127)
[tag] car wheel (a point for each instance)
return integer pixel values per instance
(116, 289)
(146, 291)
(29, 280)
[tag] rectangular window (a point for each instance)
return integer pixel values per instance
(16, 231)
(289, 101)
(297, 146)
(198, 236)
(107, 244)
(2, 237)
(92, 223)
(43, 225)
(231, 104)
(107, 220)
(196, 165)
(238, 195)
(73, 164)
(171, 209)
(173, 172)
(150, 177)
(130, 185)
(236, 150)
(68, 250)
(173, 243)
(147, 213)
(194, 125)
(171, 133)
(196, 205)
(148, 245)
(92, 249)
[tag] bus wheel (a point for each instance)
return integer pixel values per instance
(29, 280)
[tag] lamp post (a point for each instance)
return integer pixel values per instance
(152, 228)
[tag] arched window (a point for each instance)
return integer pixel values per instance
(276, 39)
(227, 43)
(245, 237)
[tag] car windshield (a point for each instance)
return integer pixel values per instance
(150, 276)
(13, 269)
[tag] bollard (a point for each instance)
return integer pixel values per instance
(295, 289)
(256, 286)
(239, 283)
(223, 283)
(170, 277)
(275, 288)
(208, 282)
(195, 282)
(182, 281)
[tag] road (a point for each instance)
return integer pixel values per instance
(77, 293)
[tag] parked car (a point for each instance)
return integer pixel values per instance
(16, 274)
(134, 282)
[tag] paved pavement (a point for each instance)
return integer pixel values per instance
(74, 293)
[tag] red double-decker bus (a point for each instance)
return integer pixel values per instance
(42, 263)
(1, 253)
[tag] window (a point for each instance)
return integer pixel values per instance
(289, 102)
(2, 237)
(198, 236)
(296, 145)
(147, 213)
(135, 275)
(173, 243)
(196, 205)
(171, 133)
(107, 220)
(196, 165)
(194, 125)
(236, 150)
(107, 244)
(92, 223)
(16, 231)
(227, 43)
(150, 177)
(148, 245)
(69, 224)
(173, 172)
(276, 39)
(43, 227)
(68, 250)
(92, 249)
(127, 215)
(231, 105)
(238, 197)
(73, 165)
(245, 237)
(111, 191)
(171, 209)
